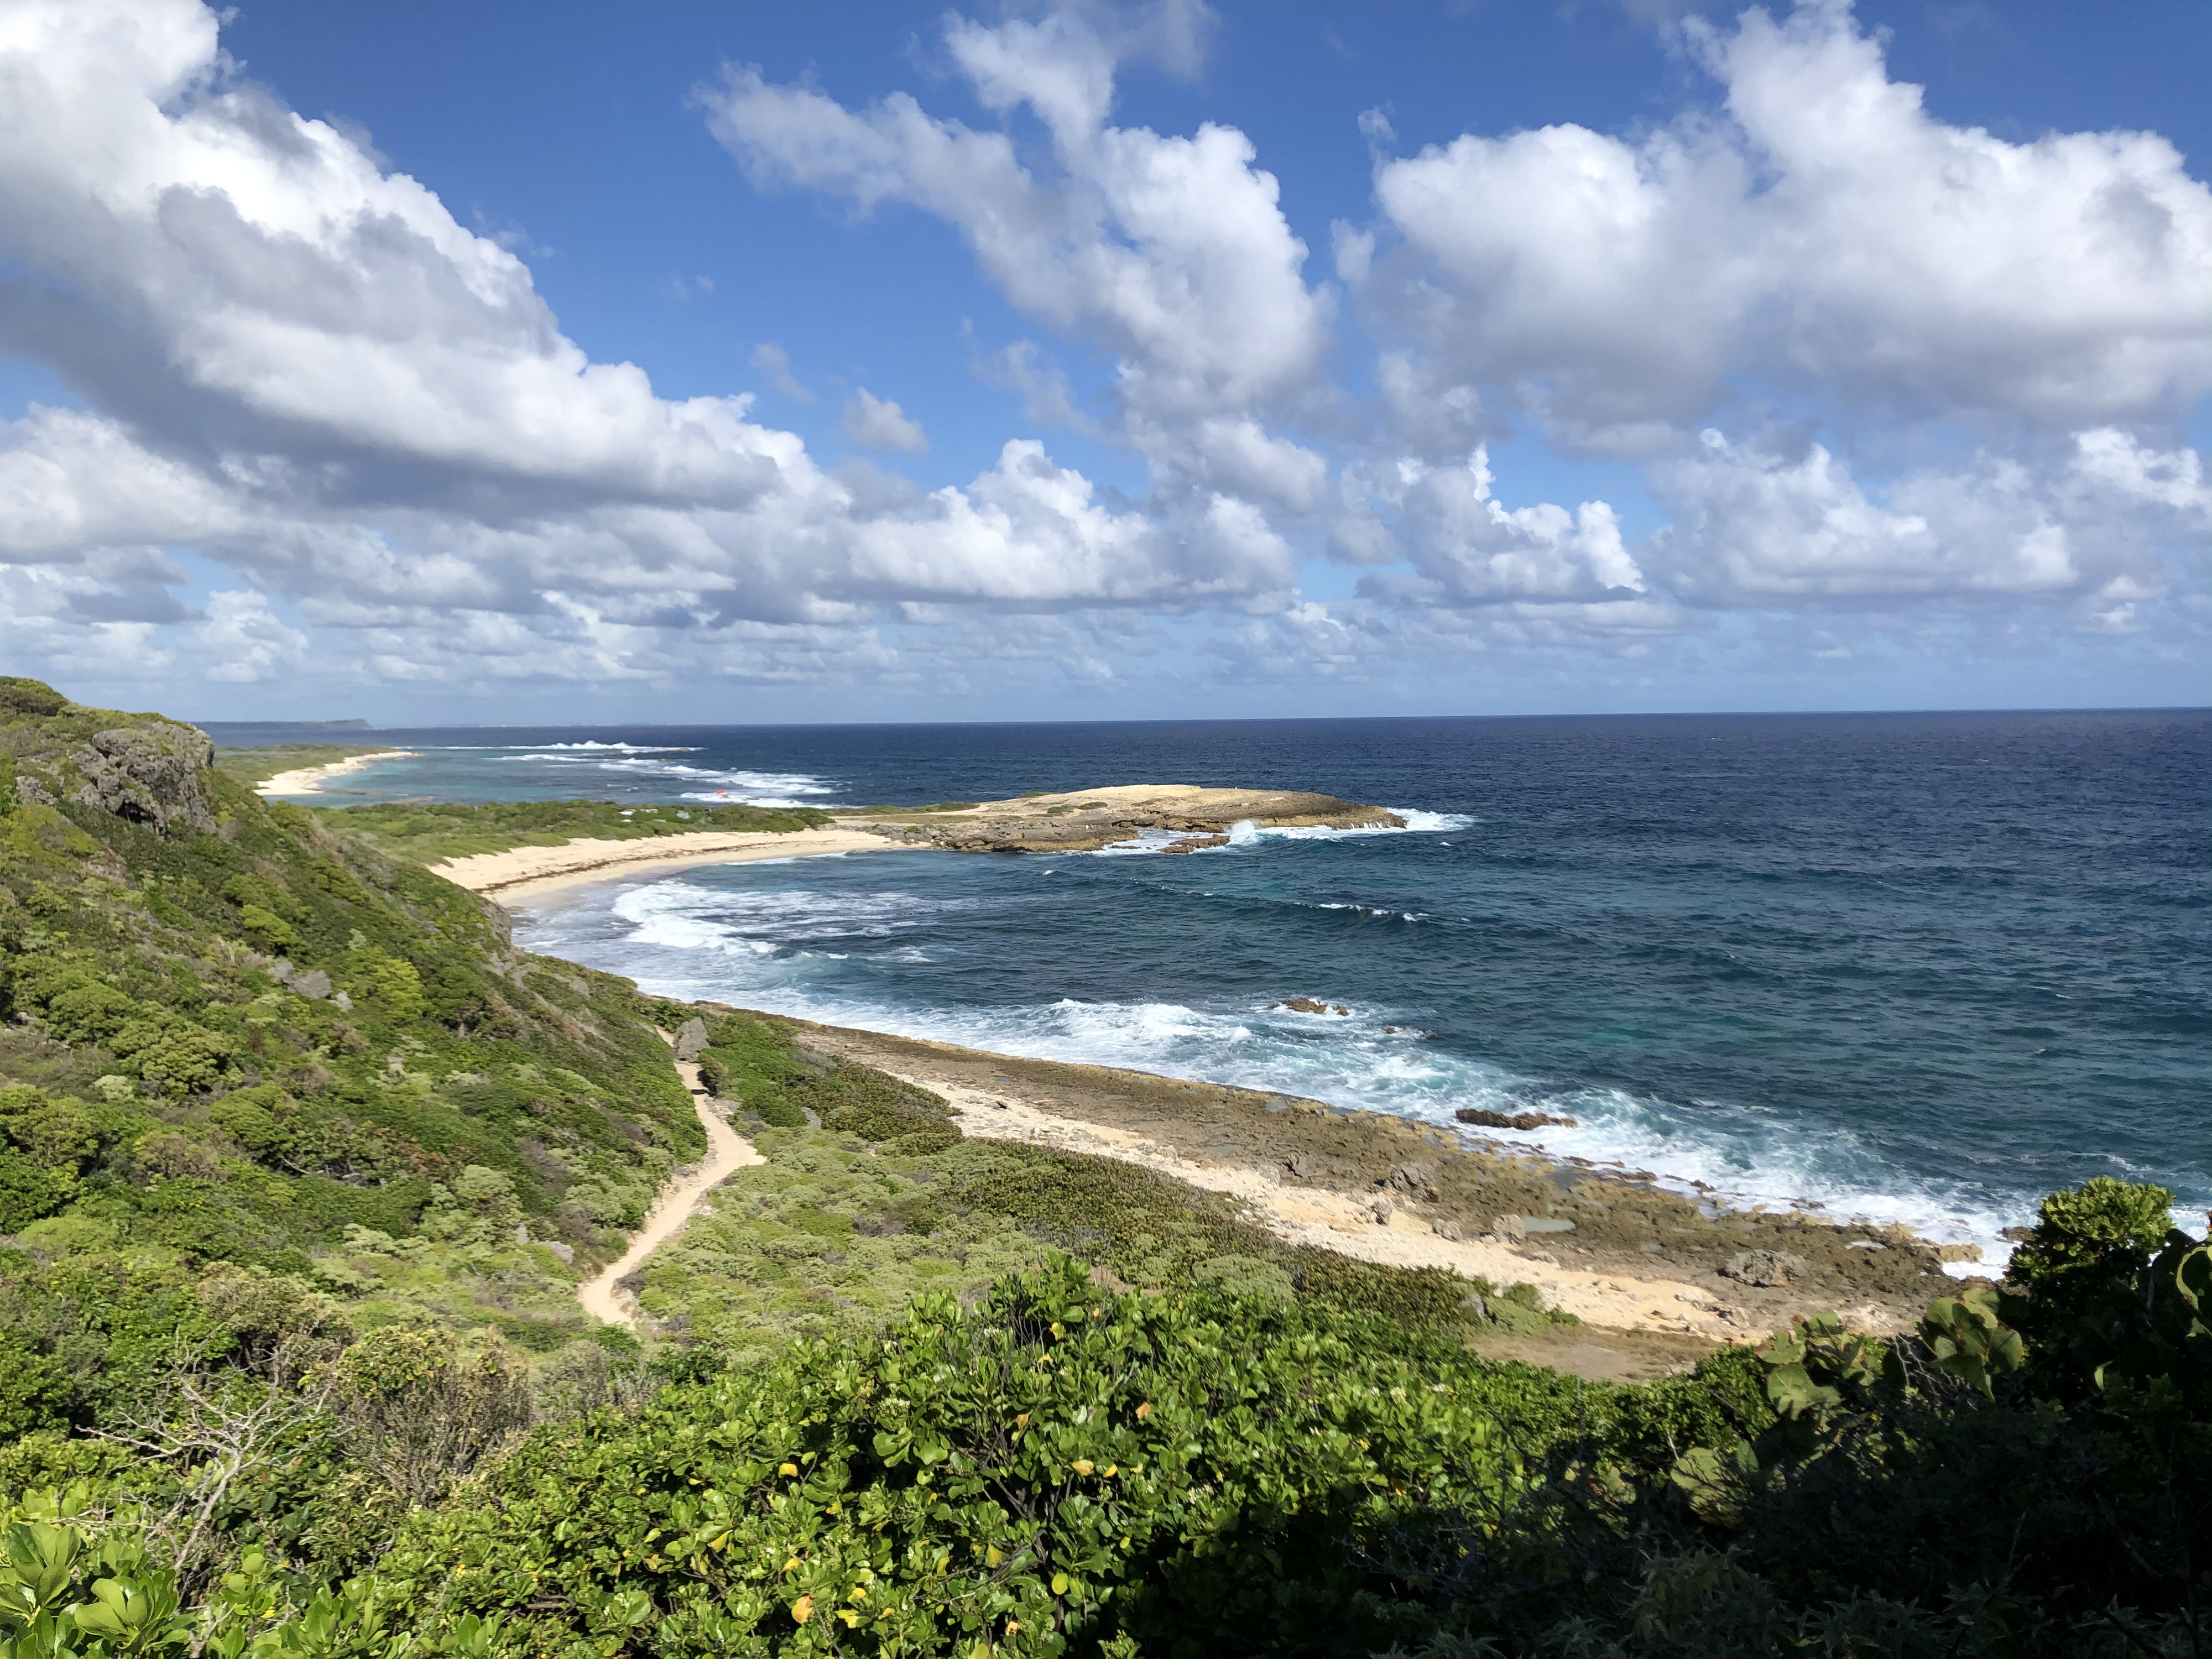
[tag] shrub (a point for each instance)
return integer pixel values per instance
(420, 1416)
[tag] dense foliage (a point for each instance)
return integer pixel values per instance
(300, 1162)
(232, 1037)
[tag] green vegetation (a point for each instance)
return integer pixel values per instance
(871, 1197)
(254, 766)
(432, 832)
(233, 1039)
(300, 1162)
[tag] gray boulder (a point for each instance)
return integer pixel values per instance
(1763, 1269)
(153, 776)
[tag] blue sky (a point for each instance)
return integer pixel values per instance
(1636, 358)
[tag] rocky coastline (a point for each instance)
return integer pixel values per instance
(1086, 820)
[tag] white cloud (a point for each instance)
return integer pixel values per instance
(1170, 252)
(1752, 526)
(242, 640)
(298, 367)
(1471, 550)
(2172, 478)
(876, 423)
(302, 366)
(1823, 231)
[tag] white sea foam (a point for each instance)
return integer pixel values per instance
(1246, 832)
(715, 785)
(592, 744)
(822, 955)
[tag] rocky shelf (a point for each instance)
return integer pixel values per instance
(1084, 820)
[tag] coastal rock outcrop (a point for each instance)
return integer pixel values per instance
(1765, 1269)
(155, 772)
(1488, 1120)
(1086, 820)
(151, 774)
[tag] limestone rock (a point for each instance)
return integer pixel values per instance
(1195, 842)
(1481, 1119)
(691, 1038)
(153, 776)
(1765, 1269)
(315, 984)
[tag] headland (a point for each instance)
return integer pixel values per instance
(1183, 817)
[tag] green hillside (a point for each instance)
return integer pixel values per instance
(301, 1161)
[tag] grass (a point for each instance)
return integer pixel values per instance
(871, 1195)
(431, 832)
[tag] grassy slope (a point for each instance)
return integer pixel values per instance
(167, 1104)
(877, 1199)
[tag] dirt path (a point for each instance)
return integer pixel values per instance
(727, 1152)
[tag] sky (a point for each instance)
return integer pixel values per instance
(578, 362)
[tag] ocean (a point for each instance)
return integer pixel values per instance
(1920, 968)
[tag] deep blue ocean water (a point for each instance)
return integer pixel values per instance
(1921, 967)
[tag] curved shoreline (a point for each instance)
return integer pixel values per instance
(1610, 1283)
(523, 873)
(310, 779)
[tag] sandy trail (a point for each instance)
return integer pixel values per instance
(727, 1151)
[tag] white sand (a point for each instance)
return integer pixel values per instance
(310, 779)
(523, 872)
(1336, 1221)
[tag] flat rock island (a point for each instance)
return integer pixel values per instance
(1084, 820)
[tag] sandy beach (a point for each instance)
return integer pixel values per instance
(310, 779)
(1627, 1259)
(1075, 821)
(525, 873)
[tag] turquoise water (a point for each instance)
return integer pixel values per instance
(1910, 967)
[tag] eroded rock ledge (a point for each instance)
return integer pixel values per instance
(1084, 820)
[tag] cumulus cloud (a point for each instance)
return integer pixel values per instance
(2096, 524)
(876, 423)
(301, 364)
(1170, 252)
(243, 640)
(1819, 230)
(1870, 363)
(1469, 548)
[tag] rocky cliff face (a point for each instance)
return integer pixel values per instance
(154, 772)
